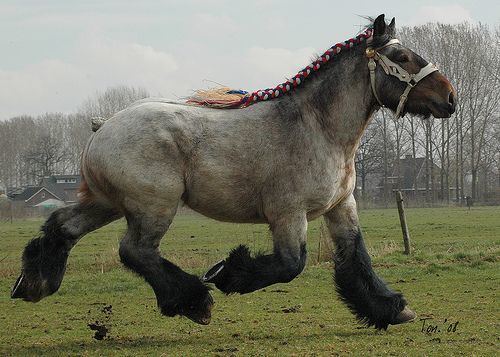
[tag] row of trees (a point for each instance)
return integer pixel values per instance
(34, 147)
(465, 147)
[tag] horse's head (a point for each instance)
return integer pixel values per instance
(402, 80)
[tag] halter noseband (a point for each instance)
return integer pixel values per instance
(393, 69)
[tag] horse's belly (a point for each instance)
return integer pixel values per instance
(225, 201)
(234, 216)
(227, 212)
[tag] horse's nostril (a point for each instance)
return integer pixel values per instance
(451, 102)
(451, 99)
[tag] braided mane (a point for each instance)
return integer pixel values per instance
(226, 98)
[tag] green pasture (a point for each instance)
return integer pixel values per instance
(452, 279)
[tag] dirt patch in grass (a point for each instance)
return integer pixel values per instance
(101, 326)
(292, 309)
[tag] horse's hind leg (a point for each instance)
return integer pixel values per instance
(360, 288)
(242, 273)
(177, 292)
(44, 258)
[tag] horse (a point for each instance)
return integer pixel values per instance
(282, 157)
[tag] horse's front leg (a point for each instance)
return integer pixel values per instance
(242, 273)
(359, 287)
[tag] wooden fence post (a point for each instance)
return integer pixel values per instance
(319, 247)
(402, 219)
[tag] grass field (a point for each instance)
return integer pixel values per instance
(453, 276)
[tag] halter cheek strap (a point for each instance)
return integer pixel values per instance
(393, 69)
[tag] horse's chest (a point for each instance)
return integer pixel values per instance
(330, 191)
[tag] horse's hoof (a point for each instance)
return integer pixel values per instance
(201, 314)
(32, 291)
(16, 291)
(210, 275)
(201, 321)
(404, 316)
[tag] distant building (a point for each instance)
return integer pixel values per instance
(3, 192)
(53, 191)
(410, 177)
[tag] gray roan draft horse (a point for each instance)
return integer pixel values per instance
(282, 162)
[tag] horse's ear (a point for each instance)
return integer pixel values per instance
(391, 29)
(379, 26)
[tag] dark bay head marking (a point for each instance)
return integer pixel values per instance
(402, 80)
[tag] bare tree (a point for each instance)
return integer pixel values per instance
(472, 68)
(44, 156)
(31, 148)
(369, 159)
(111, 101)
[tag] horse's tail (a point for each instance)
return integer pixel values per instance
(97, 122)
(85, 195)
(94, 187)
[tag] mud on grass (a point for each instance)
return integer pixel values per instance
(452, 276)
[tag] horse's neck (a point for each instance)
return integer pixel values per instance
(340, 102)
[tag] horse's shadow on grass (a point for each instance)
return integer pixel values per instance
(187, 342)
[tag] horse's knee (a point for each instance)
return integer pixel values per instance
(294, 265)
(128, 253)
(140, 243)
(123, 252)
(140, 258)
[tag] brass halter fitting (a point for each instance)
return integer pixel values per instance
(370, 52)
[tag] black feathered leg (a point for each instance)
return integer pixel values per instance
(44, 258)
(177, 292)
(366, 295)
(242, 273)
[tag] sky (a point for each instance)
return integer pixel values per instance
(55, 54)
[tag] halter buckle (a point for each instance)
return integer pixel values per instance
(370, 52)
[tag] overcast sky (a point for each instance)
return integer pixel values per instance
(54, 54)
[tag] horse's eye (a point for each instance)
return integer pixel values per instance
(402, 58)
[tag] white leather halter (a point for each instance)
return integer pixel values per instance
(393, 69)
